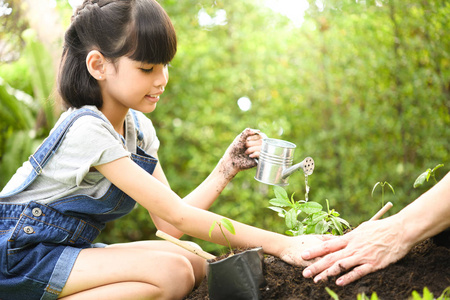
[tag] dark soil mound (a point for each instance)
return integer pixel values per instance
(427, 265)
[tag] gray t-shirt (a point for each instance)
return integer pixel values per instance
(89, 142)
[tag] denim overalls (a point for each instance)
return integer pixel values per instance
(40, 243)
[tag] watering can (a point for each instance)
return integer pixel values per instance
(275, 162)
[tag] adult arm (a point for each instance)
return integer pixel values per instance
(239, 156)
(165, 204)
(376, 244)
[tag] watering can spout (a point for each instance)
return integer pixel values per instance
(307, 165)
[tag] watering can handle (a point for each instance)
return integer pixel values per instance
(264, 136)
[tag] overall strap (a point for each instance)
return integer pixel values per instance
(46, 150)
(139, 134)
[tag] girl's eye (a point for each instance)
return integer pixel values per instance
(146, 70)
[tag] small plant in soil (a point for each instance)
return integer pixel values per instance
(382, 184)
(228, 226)
(315, 220)
(425, 176)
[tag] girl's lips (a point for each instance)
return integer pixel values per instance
(153, 98)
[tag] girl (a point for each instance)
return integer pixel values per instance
(99, 159)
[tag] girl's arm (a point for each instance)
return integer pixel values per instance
(164, 203)
(239, 156)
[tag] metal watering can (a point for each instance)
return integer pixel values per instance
(275, 162)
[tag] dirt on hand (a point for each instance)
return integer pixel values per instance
(239, 158)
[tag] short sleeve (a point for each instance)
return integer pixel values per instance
(89, 142)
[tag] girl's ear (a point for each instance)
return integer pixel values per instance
(96, 64)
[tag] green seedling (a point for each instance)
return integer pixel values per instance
(426, 175)
(315, 221)
(362, 296)
(427, 295)
(228, 226)
(382, 184)
(332, 293)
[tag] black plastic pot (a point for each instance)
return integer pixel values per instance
(237, 277)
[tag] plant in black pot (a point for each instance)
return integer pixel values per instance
(237, 275)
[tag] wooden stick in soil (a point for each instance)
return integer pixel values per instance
(382, 211)
(185, 245)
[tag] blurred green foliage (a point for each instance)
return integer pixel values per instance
(363, 87)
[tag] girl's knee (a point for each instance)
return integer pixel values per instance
(198, 264)
(179, 280)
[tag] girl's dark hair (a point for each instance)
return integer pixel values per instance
(138, 29)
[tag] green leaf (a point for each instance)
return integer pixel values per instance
(281, 211)
(445, 294)
(280, 192)
(228, 225)
(427, 294)
(318, 216)
(437, 167)
(280, 202)
(332, 293)
(212, 228)
(422, 178)
(374, 296)
(375, 186)
(291, 219)
(342, 221)
(321, 227)
(311, 207)
(289, 232)
(310, 229)
(390, 187)
(337, 225)
(335, 213)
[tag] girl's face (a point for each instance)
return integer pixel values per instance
(133, 84)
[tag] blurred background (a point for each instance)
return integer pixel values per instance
(363, 87)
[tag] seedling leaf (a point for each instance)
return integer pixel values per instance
(311, 207)
(392, 189)
(321, 227)
(291, 219)
(281, 211)
(316, 217)
(280, 202)
(331, 293)
(437, 167)
(280, 192)
(343, 222)
(212, 228)
(422, 178)
(228, 225)
(445, 294)
(337, 225)
(375, 186)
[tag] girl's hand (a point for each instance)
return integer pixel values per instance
(242, 152)
(292, 254)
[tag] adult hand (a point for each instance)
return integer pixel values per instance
(242, 152)
(292, 253)
(371, 246)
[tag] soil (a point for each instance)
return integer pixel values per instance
(426, 265)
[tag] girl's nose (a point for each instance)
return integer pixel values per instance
(162, 77)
